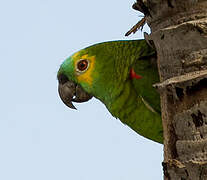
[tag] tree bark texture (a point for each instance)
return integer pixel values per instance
(179, 33)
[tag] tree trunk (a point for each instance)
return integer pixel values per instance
(179, 33)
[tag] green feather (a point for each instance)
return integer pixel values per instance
(134, 101)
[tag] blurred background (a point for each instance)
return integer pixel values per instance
(40, 138)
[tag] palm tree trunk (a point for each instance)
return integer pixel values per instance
(179, 33)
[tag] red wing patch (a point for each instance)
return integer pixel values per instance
(133, 74)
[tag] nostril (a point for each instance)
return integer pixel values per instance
(62, 79)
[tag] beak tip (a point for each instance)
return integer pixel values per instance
(72, 107)
(69, 104)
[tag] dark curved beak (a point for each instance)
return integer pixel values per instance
(70, 92)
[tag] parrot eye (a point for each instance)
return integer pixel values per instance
(82, 65)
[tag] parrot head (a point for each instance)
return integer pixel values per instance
(91, 72)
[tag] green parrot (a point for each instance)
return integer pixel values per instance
(120, 74)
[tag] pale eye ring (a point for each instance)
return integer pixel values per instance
(82, 65)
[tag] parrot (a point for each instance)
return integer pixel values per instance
(121, 75)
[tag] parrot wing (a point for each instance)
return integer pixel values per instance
(146, 67)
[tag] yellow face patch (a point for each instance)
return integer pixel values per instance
(84, 76)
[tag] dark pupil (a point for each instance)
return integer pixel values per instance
(82, 65)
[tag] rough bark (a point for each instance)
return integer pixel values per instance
(179, 33)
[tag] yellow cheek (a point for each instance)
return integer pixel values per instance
(87, 75)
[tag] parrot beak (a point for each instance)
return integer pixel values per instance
(70, 92)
